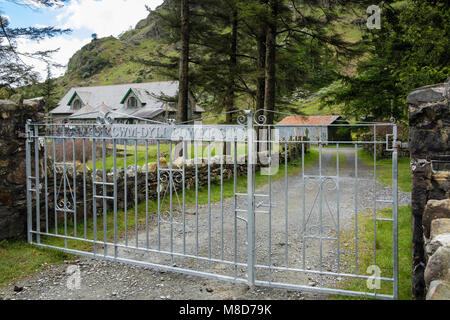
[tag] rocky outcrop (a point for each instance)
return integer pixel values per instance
(13, 117)
(429, 132)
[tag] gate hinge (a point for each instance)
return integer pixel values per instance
(416, 163)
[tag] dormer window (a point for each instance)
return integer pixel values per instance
(132, 102)
(77, 104)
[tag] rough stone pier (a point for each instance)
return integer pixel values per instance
(13, 199)
(429, 121)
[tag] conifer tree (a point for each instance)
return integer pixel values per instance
(13, 70)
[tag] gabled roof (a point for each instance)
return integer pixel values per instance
(308, 120)
(141, 94)
(113, 96)
(84, 96)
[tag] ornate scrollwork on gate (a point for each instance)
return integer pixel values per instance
(259, 118)
(169, 179)
(320, 188)
(66, 205)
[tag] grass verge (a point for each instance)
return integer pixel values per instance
(18, 259)
(384, 170)
(384, 253)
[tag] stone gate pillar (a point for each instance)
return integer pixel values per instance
(429, 122)
(13, 202)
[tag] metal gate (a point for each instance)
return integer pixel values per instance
(276, 206)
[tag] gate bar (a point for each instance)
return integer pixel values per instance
(395, 211)
(250, 200)
(28, 173)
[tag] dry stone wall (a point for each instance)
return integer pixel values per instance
(136, 180)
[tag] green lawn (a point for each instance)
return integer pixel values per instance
(33, 259)
(384, 170)
(384, 252)
(18, 259)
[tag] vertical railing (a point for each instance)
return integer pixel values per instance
(395, 211)
(250, 200)
(37, 184)
(28, 174)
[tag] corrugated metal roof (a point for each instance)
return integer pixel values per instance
(308, 120)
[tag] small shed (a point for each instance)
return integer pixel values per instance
(315, 128)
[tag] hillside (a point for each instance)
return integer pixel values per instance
(110, 60)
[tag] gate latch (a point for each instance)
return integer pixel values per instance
(265, 205)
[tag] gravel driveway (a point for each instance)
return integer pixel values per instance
(111, 280)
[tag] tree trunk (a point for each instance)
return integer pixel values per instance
(261, 64)
(229, 102)
(269, 99)
(183, 91)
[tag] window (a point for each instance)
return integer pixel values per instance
(132, 102)
(77, 104)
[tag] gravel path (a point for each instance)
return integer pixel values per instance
(111, 280)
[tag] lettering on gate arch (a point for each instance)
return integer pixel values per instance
(168, 132)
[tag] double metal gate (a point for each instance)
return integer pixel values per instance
(276, 206)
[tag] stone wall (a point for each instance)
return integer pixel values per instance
(429, 121)
(12, 164)
(436, 224)
(140, 176)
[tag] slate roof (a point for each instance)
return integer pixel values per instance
(308, 120)
(88, 112)
(113, 95)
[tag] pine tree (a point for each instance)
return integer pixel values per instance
(265, 51)
(270, 64)
(13, 70)
(48, 90)
(410, 50)
(292, 27)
